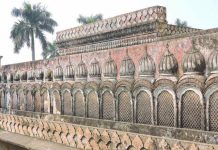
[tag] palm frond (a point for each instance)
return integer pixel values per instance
(19, 35)
(33, 20)
(41, 36)
(50, 51)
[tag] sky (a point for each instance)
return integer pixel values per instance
(201, 14)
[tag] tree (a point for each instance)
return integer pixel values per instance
(180, 23)
(90, 19)
(50, 51)
(33, 21)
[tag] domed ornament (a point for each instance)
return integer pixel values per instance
(213, 59)
(69, 71)
(146, 65)
(168, 64)
(81, 71)
(193, 62)
(95, 69)
(39, 74)
(127, 67)
(17, 76)
(58, 73)
(110, 68)
(31, 75)
(23, 76)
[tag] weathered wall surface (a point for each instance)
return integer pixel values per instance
(86, 137)
(147, 74)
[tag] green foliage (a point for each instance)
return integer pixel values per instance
(90, 19)
(50, 51)
(180, 23)
(33, 21)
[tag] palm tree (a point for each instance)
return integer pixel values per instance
(90, 19)
(50, 51)
(180, 23)
(33, 21)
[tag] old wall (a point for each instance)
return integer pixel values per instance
(158, 81)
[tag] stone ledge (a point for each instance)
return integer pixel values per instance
(192, 135)
(27, 142)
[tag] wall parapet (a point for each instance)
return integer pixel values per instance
(83, 137)
(156, 13)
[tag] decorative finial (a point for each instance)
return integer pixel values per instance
(58, 61)
(167, 49)
(127, 54)
(146, 50)
(167, 46)
(109, 54)
(69, 59)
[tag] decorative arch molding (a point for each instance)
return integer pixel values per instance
(142, 83)
(211, 80)
(119, 91)
(78, 85)
(92, 85)
(45, 85)
(192, 81)
(180, 92)
(136, 93)
(110, 112)
(66, 85)
(123, 83)
(164, 82)
(56, 85)
(156, 94)
(107, 84)
(208, 93)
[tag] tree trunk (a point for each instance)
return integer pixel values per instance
(32, 46)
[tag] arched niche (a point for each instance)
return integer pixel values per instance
(2, 97)
(29, 100)
(191, 107)
(45, 97)
(124, 105)
(78, 103)
(92, 104)
(67, 102)
(107, 104)
(211, 97)
(143, 106)
(56, 102)
(14, 99)
(37, 101)
(21, 99)
(165, 106)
